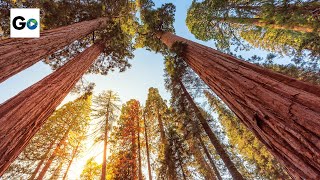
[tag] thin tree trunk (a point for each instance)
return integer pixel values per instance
(164, 141)
(139, 150)
(258, 22)
(19, 54)
(205, 149)
(214, 140)
(56, 172)
(205, 169)
(182, 170)
(74, 153)
(35, 172)
(284, 113)
(134, 151)
(104, 161)
(147, 147)
(54, 155)
(23, 115)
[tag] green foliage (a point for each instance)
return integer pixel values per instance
(268, 25)
(153, 22)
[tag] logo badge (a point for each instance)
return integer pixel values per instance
(24, 23)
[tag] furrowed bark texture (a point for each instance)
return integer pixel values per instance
(23, 115)
(282, 112)
(19, 54)
(214, 140)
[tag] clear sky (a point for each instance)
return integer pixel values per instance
(146, 71)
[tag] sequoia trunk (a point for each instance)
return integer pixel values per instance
(19, 54)
(284, 113)
(23, 115)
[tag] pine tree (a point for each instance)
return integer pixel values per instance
(106, 106)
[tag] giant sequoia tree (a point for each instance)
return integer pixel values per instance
(274, 115)
(271, 105)
(19, 54)
(68, 123)
(27, 111)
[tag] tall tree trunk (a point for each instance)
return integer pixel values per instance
(23, 115)
(147, 146)
(19, 54)
(284, 113)
(44, 157)
(54, 154)
(139, 149)
(74, 153)
(214, 140)
(258, 22)
(205, 149)
(104, 160)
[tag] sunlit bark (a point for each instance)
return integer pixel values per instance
(282, 112)
(19, 54)
(23, 115)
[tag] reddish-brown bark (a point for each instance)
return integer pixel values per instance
(282, 112)
(19, 54)
(23, 115)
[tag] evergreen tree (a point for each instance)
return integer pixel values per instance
(106, 106)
